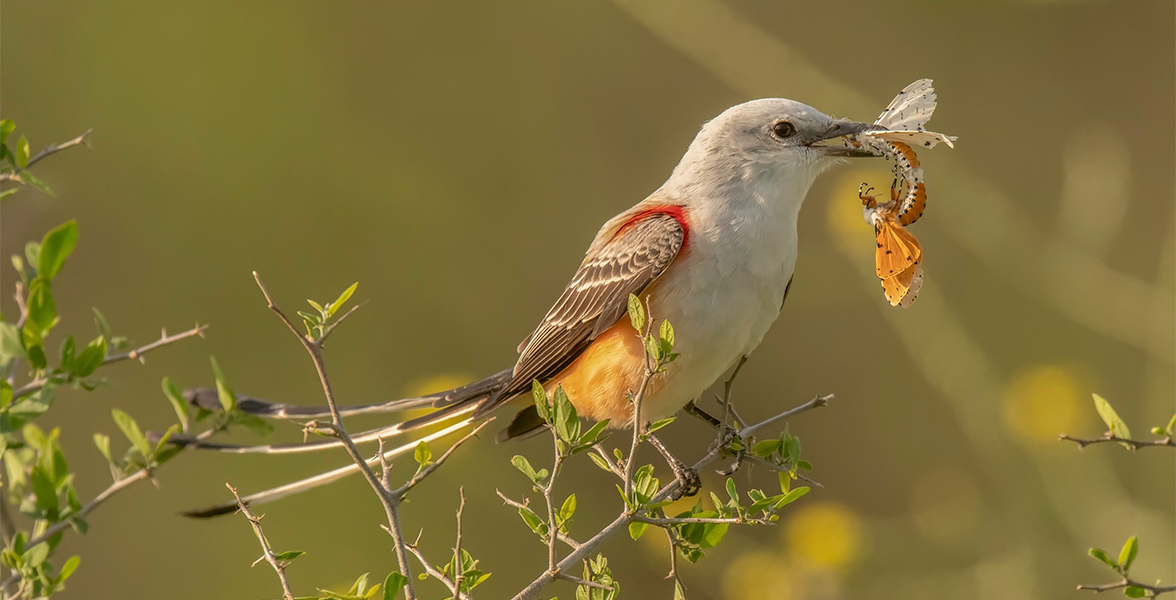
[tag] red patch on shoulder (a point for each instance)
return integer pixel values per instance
(673, 210)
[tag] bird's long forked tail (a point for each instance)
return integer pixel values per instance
(321, 479)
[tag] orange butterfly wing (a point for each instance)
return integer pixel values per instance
(903, 289)
(897, 249)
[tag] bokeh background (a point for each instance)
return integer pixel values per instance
(457, 158)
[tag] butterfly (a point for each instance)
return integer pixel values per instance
(898, 256)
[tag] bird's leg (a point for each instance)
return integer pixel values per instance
(689, 483)
(693, 410)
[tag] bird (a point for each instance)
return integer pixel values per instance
(713, 251)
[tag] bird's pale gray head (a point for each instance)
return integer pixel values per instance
(775, 129)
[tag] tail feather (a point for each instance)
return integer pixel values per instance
(207, 399)
(321, 479)
(359, 438)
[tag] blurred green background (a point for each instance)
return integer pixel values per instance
(457, 158)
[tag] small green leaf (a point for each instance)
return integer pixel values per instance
(1127, 554)
(6, 128)
(540, 397)
(636, 313)
(42, 308)
(658, 424)
(177, 401)
(1111, 418)
(223, 391)
(91, 358)
(732, 492)
(288, 555)
(679, 594)
(666, 333)
(10, 343)
(790, 497)
(521, 463)
(131, 429)
(567, 510)
(591, 437)
(600, 462)
(22, 152)
(1134, 591)
(334, 306)
(1100, 554)
(423, 454)
(56, 246)
(392, 585)
(637, 529)
(532, 520)
(1171, 428)
(68, 569)
(103, 443)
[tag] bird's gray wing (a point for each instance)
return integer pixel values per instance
(596, 298)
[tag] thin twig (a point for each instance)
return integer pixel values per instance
(584, 582)
(55, 148)
(403, 490)
(389, 501)
(136, 353)
(726, 399)
(816, 402)
(638, 420)
(267, 553)
(573, 544)
(548, 492)
(457, 562)
(1154, 590)
(673, 539)
(1165, 441)
(669, 522)
(429, 569)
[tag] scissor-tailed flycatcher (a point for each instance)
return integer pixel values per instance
(712, 251)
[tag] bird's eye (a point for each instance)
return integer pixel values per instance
(784, 129)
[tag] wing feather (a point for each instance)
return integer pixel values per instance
(596, 298)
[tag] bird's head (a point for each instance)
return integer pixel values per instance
(770, 140)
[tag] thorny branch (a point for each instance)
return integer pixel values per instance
(47, 151)
(1111, 437)
(389, 498)
(137, 354)
(1152, 590)
(267, 554)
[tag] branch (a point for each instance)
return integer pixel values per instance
(401, 491)
(1154, 590)
(1111, 437)
(266, 553)
(55, 148)
(457, 562)
(573, 544)
(137, 354)
(816, 402)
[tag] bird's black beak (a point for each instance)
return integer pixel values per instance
(834, 142)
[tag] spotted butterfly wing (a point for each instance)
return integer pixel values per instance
(903, 289)
(897, 250)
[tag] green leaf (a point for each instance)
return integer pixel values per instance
(521, 463)
(68, 568)
(599, 462)
(22, 152)
(66, 356)
(131, 429)
(658, 424)
(1127, 554)
(637, 529)
(541, 404)
(679, 594)
(44, 490)
(334, 306)
(636, 313)
(177, 401)
(1110, 417)
(1171, 428)
(766, 448)
(359, 586)
(10, 344)
(732, 492)
(790, 497)
(33, 253)
(103, 443)
(91, 358)
(533, 521)
(33, 557)
(6, 128)
(288, 555)
(591, 436)
(1134, 591)
(6, 193)
(567, 510)
(567, 422)
(223, 391)
(42, 308)
(254, 423)
(37, 183)
(56, 246)
(423, 454)
(392, 584)
(666, 333)
(1100, 554)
